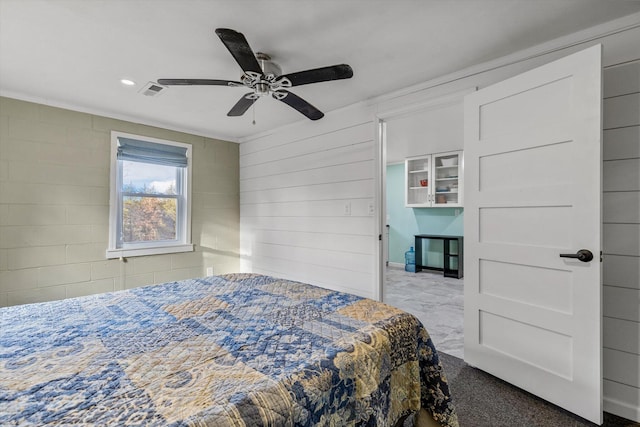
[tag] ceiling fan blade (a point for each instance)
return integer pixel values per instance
(189, 82)
(333, 72)
(239, 49)
(242, 105)
(299, 104)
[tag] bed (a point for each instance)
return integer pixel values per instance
(230, 350)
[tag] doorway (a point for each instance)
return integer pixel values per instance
(422, 129)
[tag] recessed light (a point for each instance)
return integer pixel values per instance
(127, 82)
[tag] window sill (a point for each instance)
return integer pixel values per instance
(126, 253)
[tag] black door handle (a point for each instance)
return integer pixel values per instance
(583, 255)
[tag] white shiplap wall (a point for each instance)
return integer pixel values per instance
(305, 199)
(292, 224)
(621, 239)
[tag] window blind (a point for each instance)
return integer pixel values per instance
(150, 152)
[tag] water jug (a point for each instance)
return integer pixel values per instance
(410, 260)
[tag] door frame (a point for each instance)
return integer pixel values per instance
(382, 117)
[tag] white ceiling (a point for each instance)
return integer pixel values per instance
(73, 53)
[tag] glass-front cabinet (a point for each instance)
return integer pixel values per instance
(434, 180)
(418, 175)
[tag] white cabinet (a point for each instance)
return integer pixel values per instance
(418, 181)
(434, 180)
(447, 178)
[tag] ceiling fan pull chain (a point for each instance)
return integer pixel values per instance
(253, 108)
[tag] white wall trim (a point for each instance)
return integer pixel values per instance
(170, 249)
(428, 104)
(621, 409)
(379, 203)
(113, 115)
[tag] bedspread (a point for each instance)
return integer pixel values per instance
(232, 350)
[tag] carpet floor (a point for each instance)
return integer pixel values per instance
(483, 400)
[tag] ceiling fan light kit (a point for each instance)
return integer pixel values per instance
(264, 77)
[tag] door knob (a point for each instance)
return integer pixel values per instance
(583, 255)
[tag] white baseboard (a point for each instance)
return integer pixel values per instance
(621, 409)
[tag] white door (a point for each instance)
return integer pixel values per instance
(533, 189)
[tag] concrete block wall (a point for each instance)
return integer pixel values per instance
(54, 206)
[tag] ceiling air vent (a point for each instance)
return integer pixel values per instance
(152, 89)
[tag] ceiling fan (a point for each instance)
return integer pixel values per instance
(264, 77)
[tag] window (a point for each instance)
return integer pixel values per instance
(150, 200)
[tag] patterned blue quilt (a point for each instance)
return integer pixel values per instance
(233, 350)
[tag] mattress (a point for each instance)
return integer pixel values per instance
(231, 350)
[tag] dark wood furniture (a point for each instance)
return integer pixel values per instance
(448, 256)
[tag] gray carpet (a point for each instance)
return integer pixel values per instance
(483, 400)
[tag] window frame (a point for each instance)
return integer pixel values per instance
(182, 243)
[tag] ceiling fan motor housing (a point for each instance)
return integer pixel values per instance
(268, 66)
(262, 89)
